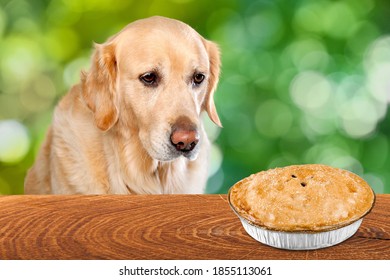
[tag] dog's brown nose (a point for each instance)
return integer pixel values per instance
(184, 140)
(184, 136)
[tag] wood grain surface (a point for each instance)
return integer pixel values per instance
(157, 227)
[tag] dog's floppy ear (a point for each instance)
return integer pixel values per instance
(215, 62)
(99, 86)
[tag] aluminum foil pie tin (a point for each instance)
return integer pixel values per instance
(300, 240)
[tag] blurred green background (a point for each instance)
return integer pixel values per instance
(302, 81)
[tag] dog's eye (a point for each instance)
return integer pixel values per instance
(149, 79)
(198, 79)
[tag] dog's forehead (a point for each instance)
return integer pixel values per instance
(163, 24)
(159, 38)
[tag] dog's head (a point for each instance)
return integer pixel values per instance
(155, 76)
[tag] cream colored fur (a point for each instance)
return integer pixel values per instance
(110, 133)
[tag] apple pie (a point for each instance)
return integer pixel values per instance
(309, 199)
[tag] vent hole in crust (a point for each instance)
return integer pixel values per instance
(294, 176)
(303, 184)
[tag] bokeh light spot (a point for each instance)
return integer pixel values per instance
(73, 69)
(321, 124)
(61, 43)
(377, 65)
(327, 152)
(348, 163)
(358, 117)
(378, 52)
(375, 182)
(20, 59)
(14, 141)
(265, 27)
(307, 54)
(311, 90)
(307, 17)
(338, 20)
(211, 128)
(215, 159)
(215, 183)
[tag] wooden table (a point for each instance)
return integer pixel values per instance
(157, 227)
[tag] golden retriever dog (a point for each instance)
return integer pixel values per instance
(133, 124)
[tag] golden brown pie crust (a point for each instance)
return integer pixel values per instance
(310, 197)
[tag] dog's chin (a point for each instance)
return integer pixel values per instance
(170, 153)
